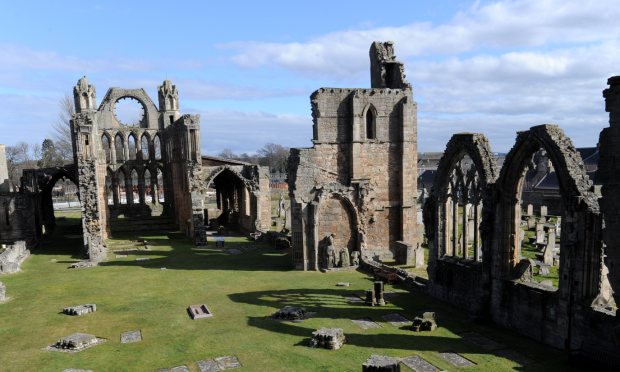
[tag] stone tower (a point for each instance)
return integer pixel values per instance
(168, 102)
(85, 96)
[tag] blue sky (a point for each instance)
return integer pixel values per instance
(248, 67)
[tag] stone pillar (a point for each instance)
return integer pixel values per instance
(370, 298)
(379, 293)
(154, 188)
(404, 253)
(128, 189)
(5, 185)
(141, 189)
(409, 169)
(115, 193)
(2, 292)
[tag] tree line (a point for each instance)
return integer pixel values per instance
(271, 155)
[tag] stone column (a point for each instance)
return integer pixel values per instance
(128, 189)
(154, 186)
(141, 189)
(115, 193)
(409, 169)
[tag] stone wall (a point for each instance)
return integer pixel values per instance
(12, 257)
(364, 157)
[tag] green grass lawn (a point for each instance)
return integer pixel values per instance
(240, 290)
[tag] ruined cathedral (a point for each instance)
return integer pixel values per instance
(354, 201)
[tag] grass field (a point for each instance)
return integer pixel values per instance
(240, 290)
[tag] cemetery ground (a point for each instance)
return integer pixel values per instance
(241, 291)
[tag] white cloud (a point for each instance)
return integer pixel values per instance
(504, 24)
(248, 131)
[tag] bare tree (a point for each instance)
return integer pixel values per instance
(21, 156)
(61, 127)
(274, 156)
(227, 154)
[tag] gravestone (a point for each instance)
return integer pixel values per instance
(281, 206)
(287, 221)
(208, 365)
(80, 310)
(344, 257)
(530, 210)
(2, 292)
(531, 223)
(228, 362)
(419, 218)
(456, 360)
(199, 311)
(516, 357)
(542, 219)
(290, 313)
(478, 339)
(355, 258)
(548, 254)
(76, 370)
(418, 364)
(343, 284)
(546, 282)
(543, 210)
(76, 341)
(551, 241)
(396, 319)
(366, 323)
(540, 233)
(279, 225)
(543, 269)
(419, 256)
(131, 336)
(328, 338)
(377, 363)
(352, 298)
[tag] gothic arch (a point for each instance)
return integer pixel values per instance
(209, 177)
(581, 209)
(328, 207)
(369, 113)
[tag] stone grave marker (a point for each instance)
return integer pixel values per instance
(80, 310)
(2, 292)
(378, 363)
(478, 339)
(543, 210)
(456, 360)
(287, 220)
(208, 365)
(418, 364)
(352, 298)
(121, 256)
(142, 259)
(379, 301)
(234, 251)
(542, 219)
(530, 210)
(419, 218)
(366, 323)
(175, 369)
(131, 336)
(419, 257)
(228, 362)
(199, 311)
(426, 323)
(75, 343)
(328, 338)
(516, 357)
(291, 314)
(76, 370)
(279, 225)
(343, 284)
(396, 319)
(540, 233)
(531, 223)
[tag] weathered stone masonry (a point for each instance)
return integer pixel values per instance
(101, 150)
(359, 179)
(497, 282)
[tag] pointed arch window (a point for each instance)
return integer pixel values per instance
(118, 146)
(157, 147)
(370, 124)
(131, 147)
(105, 145)
(145, 147)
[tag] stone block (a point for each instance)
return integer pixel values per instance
(418, 364)
(328, 338)
(131, 336)
(80, 310)
(76, 341)
(2, 292)
(228, 362)
(426, 323)
(377, 363)
(199, 311)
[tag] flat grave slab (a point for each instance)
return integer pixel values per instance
(234, 251)
(75, 343)
(343, 284)
(199, 311)
(352, 298)
(516, 357)
(121, 256)
(142, 259)
(396, 319)
(76, 370)
(208, 365)
(131, 336)
(418, 364)
(390, 294)
(80, 310)
(175, 369)
(248, 248)
(456, 360)
(478, 339)
(228, 362)
(291, 314)
(366, 323)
